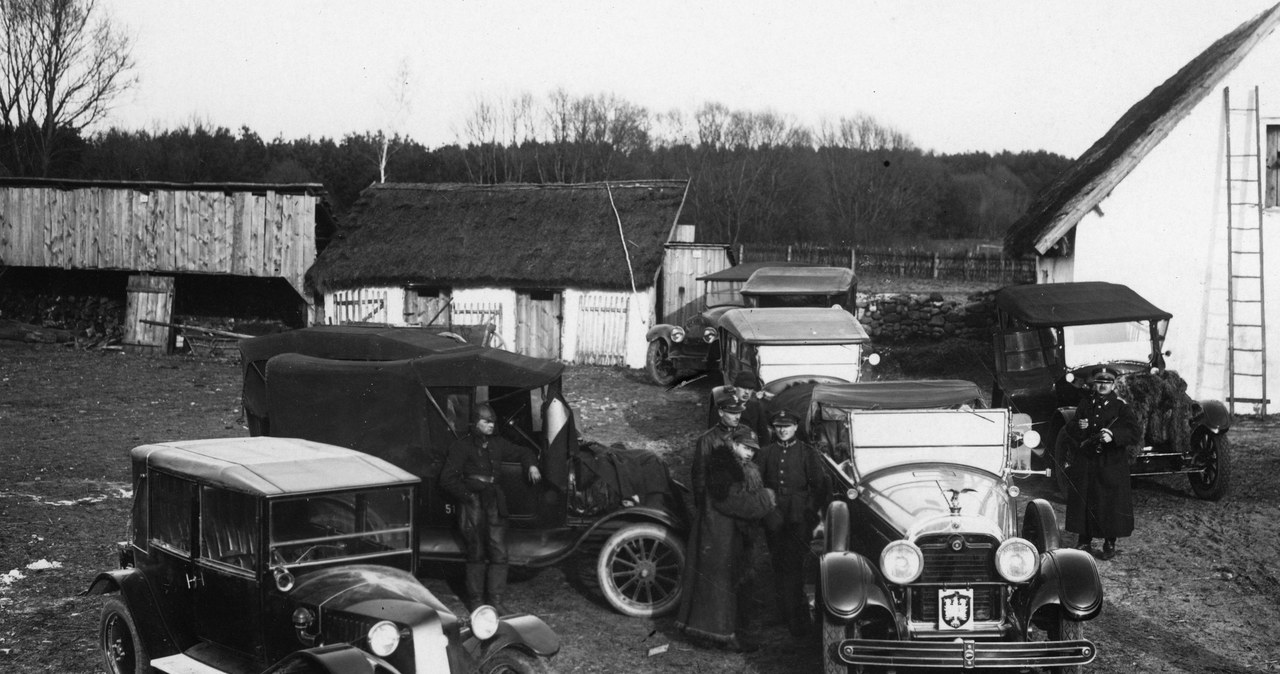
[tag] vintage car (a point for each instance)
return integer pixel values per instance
(1052, 338)
(676, 350)
(924, 562)
(404, 395)
(283, 555)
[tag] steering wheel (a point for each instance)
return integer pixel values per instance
(319, 546)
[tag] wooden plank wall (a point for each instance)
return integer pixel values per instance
(163, 231)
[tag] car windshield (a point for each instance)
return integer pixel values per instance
(1107, 342)
(884, 439)
(724, 294)
(776, 361)
(347, 526)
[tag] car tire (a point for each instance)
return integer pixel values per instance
(832, 634)
(1214, 451)
(512, 661)
(639, 570)
(1065, 629)
(1061, 449)
(658, 364)
(122, 649)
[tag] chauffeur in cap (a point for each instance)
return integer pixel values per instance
(1099, 500)
(470, 475)
(793, 470)
(728, 413)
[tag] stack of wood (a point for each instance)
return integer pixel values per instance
(87, 319)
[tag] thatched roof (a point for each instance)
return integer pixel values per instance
(1085, 183)
(511, 235)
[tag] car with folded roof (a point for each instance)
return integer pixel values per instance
(1050, 341)
(285, 555)
(925, 561)
(698, 346)
(405, 395)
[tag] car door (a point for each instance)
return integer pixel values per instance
(226, 602)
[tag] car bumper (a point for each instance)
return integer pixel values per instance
(965, 654)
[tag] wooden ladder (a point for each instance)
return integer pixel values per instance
(1246, 315)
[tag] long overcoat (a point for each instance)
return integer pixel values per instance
(1099, 498)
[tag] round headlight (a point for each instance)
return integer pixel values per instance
(384, 638)
(1017, 560)
(484, 622)
(677, 335)
(901, 562)
(1031, 439)
(709, 335)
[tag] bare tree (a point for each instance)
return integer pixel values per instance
(61, 67)
(398, 106)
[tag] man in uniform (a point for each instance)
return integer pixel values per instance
(793, 470)
(1099, 500)
(752, 395)
(470, 475)
(729, 411)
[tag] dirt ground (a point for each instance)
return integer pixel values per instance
(1196, 589)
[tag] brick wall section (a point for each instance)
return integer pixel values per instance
(896, 317)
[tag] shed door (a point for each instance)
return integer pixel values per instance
(150, 301)
(538, 316)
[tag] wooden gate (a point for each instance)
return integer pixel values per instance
(150, 299)
(602, 328)
(538, 315)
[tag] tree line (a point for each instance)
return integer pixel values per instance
(756, 176)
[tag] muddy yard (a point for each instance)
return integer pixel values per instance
(1197, 589)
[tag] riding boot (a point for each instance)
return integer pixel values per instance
(497, 582)
(475, 584)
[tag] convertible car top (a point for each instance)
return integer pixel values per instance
(807, 400)
(1087, 303)
(798, 280)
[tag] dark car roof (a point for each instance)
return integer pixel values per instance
(269, 466)
(1084, 303)
(795, 325)
(347, 342)
(742, 272)
(882, 395)
(798, 280)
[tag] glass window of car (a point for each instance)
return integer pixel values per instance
(1107, 342)
(228, 528)
(1022, 352)
(172, 507)
(723, 293)
(317, 529)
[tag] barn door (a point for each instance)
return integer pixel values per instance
(538, 315)
(147, 314)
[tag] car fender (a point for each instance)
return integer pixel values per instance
(1214, 417)
(613, 520)
(835, 527)
(660, 331)
(132, 587)
(1068, 578)
(333, 659)
(850, 585)
(523, 632)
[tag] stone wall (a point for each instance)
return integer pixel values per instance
(894, 317)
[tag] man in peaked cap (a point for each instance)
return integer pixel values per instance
(470, 475)
(793, 470)
(1099, 500)
(728, 413)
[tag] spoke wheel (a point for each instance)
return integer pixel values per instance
(639, 570)
(122, 649)
(658, 362)
(1213, 451)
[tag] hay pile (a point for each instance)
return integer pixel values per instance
(1162, 406)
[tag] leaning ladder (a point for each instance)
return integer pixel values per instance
(1246, 315)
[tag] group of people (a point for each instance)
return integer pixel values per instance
(744, 491)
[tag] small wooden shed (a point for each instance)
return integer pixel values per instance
(160, 230)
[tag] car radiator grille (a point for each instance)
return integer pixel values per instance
(945, 568)
(345, 629)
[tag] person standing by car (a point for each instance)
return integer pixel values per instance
(793, 470)
(470, 475)
(1099, 499)
(717, 588)
(752, 395)
(728, 414)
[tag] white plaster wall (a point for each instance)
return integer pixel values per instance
(1163, 230)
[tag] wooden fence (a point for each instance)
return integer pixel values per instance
(900, 262)
(602, 328)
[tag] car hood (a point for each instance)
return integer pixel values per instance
(913, 496)
(341, 587)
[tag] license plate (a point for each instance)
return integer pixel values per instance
(955, 609)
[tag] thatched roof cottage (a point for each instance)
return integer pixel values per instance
(560, 271)
(1181, 195)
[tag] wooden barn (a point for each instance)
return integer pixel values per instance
(1180, 200)
(571, 272)
(156, 232)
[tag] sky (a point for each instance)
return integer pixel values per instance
(954, 75)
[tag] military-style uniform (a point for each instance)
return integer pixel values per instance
(470, 475)
(1099, 497)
